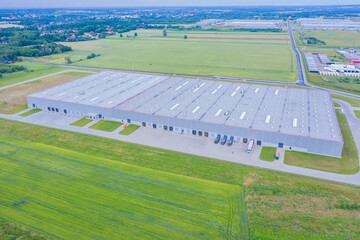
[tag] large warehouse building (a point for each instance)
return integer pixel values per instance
(299, 119)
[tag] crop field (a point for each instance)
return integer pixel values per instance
(347, 164)
(240, 37)
(70, 195)
(13, 99)
(268, 61)
(279, 205)
(334, 38)
(10, 26)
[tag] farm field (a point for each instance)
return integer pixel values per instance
(347, 164)
(13, 99)
(216, 36)
(70, 195)
(333, 38)
(266, 61)
(309, 207)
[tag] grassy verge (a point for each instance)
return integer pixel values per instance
(307, 206)
(72, 195)
(129, 129)
(11, 231)
(81, 122)
(357, 113)
(353, 101)
(268, 154)
(32, 111)
(347, 164)
(336, 104)
(105, 125)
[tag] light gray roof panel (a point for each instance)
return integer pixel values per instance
(293, 111)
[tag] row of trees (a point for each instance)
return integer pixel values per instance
(12, 53)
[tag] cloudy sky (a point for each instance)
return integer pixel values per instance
(127, 3)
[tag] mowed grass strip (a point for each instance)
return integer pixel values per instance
(70, 195)
(347, 164)
(81, 122)
(129, 129)
(357, 113)
(268, 154)
(269, 194)
(30, 112)
(106, 125)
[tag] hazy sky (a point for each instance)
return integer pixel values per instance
(127, 3)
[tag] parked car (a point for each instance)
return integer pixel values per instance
(231, 140)
(223, 141)
(217, 139)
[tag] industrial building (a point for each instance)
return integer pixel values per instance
(244, 23)
(328, 24)
(300, 119)
(310, 62)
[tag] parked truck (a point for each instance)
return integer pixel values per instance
(250, 146)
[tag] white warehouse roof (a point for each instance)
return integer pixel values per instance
(293, 111)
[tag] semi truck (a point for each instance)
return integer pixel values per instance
(250, 146)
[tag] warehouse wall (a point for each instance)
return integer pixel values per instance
(312, 145)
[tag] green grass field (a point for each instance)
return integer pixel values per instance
(129, 129)
(267, 61)
(70, 195)
(218, 36)
(81, 122)
(105, 125)
(279, 205)
(31, 112)
(268, 154)
(347, 164)
(336, 104)
(333, 38)
(353, 101)
(34, 70)
(357, 113)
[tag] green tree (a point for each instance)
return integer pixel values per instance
(0, 75)
(68, 60)
(185, 36)
(57, 50)
(121, 35)
(135, 35)
(164, 33)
